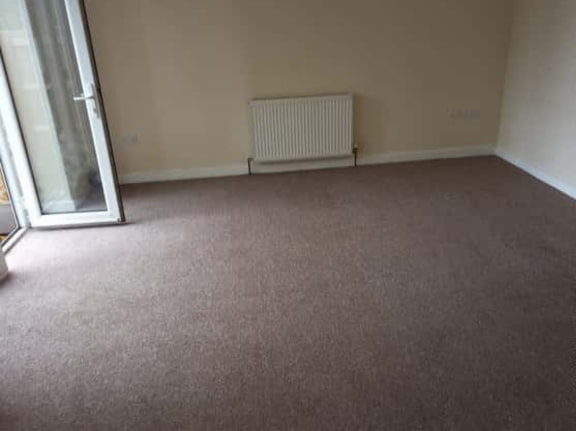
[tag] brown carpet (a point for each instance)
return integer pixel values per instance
(422, 296)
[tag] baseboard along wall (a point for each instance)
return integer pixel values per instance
(374, 159)
(537, 173)
(242, 169)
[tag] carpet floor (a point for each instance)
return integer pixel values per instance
(420, 296)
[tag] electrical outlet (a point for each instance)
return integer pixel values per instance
(465, 113)
(129, 139)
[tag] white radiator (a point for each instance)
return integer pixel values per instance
(301, 128)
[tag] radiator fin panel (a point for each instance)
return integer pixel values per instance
(301, 128)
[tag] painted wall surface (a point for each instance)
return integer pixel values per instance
(539, 116)
(179, 73)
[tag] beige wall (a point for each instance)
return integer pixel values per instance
(179, 73)
(539, 117)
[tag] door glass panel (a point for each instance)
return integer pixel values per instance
(41, 65)
(8, 222)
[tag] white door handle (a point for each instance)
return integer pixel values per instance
(94, 96)
(83, 98)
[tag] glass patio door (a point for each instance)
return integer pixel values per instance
(51, 109)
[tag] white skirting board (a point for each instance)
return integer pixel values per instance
(437, 154)
(538, 174)
(242, 169)
(185, 174)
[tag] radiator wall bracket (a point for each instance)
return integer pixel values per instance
(250, 160)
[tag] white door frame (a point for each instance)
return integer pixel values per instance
(13, 151)
(91, 96)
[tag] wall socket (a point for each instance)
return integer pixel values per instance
(465, 113)
(129, 139)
